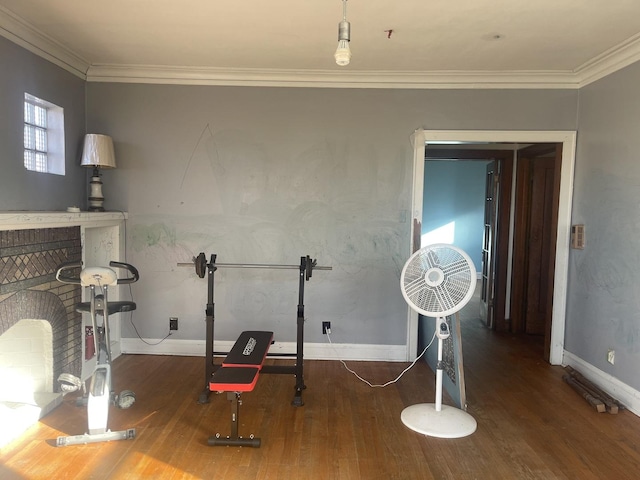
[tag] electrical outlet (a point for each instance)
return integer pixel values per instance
(611, 357)
(173, 323)
(326, 327)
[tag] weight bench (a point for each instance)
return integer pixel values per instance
(239, 373)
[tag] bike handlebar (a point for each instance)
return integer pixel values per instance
(132, 270)
(61, 273)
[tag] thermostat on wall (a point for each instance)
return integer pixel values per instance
(577, 236)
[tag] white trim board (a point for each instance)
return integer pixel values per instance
(312, 351)
(254, 77)
(26, 220)
(622, 392)
(613, 60)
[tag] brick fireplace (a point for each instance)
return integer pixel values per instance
(41, 334)
(29, 290)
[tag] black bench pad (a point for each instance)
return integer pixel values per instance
(240, 369)
(249, 350)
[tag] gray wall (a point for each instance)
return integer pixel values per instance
(454, 192)
(603, 304)
(266, 175)
(20, 189)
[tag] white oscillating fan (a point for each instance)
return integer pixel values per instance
(437, 281)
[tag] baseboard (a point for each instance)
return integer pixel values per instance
(622, 392)
(155, 346)
(312, 351)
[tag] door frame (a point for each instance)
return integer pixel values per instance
(421, 138)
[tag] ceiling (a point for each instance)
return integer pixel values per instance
(432, 43)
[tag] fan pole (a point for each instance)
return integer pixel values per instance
(434, 419)
(442, 332)
(439, 376)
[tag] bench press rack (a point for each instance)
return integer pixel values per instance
(239, 373)
(202, 267)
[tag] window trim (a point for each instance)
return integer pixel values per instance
(54, 128)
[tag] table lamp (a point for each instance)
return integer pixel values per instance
(97, 153)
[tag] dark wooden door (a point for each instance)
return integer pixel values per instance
(538, 294)
(536, 224)
(487, 310)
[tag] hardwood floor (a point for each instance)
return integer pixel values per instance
(531, 425)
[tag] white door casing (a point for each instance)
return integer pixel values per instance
(421, 138)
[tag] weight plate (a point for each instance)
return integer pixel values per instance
(201, 264)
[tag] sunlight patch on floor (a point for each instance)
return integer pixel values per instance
(152, 466)
(17, 417)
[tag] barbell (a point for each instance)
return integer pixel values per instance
(307, 265)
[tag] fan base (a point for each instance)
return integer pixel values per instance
(449, 422)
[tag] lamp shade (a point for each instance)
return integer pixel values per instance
(98, 151)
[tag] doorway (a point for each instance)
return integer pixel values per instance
(566, 140)
(496, 172)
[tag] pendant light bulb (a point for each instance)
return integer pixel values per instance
(343, 52)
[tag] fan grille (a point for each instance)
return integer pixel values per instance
(438, 280)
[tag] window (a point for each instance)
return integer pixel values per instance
(43, 136)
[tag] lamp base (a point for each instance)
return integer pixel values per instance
(96, 200)
(449, 422)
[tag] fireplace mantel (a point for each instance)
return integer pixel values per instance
(21, 220)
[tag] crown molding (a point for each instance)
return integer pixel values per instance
(610, 61)
(28, 37)
(329, 78)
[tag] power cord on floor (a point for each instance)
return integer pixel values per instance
(390, 382)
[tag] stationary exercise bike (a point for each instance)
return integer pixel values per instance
(99, 396)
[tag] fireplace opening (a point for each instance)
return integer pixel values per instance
(26, 361)
(26, 376)
(39, 342)
(38, 314)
